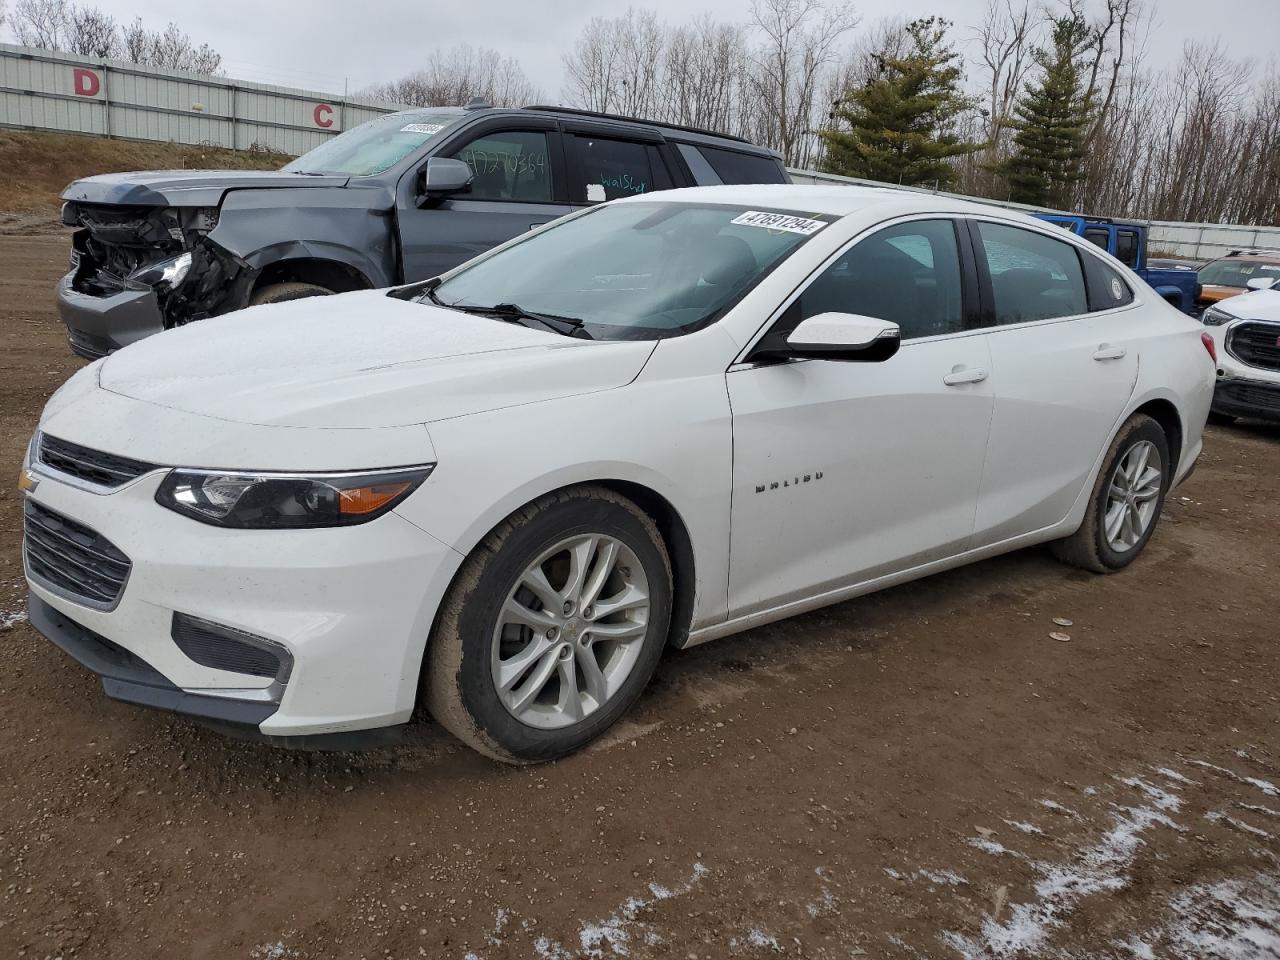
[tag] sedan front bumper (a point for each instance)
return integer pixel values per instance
(352, 606)
(97, 326)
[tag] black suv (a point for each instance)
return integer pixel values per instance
(401, 198)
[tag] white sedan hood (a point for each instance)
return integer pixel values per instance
(361, 360)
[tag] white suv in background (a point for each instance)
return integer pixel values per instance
(670, 418)
(1246, 332)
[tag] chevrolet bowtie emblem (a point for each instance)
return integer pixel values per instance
(27, 482)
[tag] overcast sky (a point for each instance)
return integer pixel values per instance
(320, 44)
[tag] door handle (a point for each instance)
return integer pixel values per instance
(961, 375)
(1106, 351)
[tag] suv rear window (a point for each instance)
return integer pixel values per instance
(734, 167)
(608, 169)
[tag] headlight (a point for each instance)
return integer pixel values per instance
(286, 501)
(1215, 317)
(167, 273)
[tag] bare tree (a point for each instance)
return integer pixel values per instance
(41, 23)
(798, 46)
(91, 33)
(455, 76)
(615, 64)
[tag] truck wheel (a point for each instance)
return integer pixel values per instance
(280, 292)
(1126, 502)
(552, 627)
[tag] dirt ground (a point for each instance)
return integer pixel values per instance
(920, 773)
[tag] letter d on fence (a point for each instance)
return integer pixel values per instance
(87, 83)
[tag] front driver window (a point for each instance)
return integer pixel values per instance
(909, 273)
(508, 166)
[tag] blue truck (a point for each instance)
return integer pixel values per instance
(1127, 242)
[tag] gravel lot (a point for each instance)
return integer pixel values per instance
(921, 773)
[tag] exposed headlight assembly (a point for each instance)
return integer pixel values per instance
(166, 273)
(287, 501)
(1215, 317)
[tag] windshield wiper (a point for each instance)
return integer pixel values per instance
(513, 313)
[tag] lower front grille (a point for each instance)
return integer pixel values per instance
(1257, 344)
(1263, 399)
(72, 560)
(224, 648)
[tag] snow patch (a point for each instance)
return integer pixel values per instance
(1024, 827)
(1215, 816)
(1270, 789)
(614, 932)
(1161, 798)
(762, 939)
(1237, 919)
(9, 618)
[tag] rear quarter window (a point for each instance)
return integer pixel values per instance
(733, 167)
(1107, 288)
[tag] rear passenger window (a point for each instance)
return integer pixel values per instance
(1099, 238)
(734, 167)
(1033, 277)
(608, 169)
(508, 166)
(1107, 289)
(909, 273)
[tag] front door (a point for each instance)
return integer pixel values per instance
(514, 190)
(844, 472)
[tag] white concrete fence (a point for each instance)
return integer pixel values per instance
(45, 90)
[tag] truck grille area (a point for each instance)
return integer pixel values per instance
(1257, 344)
(71, 559)
(93, 466)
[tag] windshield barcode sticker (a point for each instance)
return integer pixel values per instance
(422, 128)
(779, 221)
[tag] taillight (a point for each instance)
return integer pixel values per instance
(1209, 346)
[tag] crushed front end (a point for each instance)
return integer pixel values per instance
(137, 270)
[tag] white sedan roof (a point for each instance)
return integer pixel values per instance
(833, 200)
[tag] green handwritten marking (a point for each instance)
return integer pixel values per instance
(624, 182)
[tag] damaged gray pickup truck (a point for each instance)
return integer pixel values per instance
(401, 198)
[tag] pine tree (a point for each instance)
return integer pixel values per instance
(900, 124)
(1051, 119)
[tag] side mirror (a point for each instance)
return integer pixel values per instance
(842, 336)
(442, 176)
(1261, 283)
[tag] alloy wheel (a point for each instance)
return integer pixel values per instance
(570, 631)
(1132, 496)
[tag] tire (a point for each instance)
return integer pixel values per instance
(281, 292)
(476, 638)
(1090, 547)
(1221, 419)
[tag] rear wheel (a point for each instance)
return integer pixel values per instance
(552, 628)
(1126, 502)
(281, 292)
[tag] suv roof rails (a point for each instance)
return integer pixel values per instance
(578, 112)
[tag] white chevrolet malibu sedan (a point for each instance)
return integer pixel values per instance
(503, 493)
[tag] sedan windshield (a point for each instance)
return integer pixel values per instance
(375, 146)
(634, 271)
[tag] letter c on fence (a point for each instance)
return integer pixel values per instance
(323, 115)
(87, 83)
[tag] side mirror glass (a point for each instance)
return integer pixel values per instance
(1261, 283)
(849, 337)
(442, 176)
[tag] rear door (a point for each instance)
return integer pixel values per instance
(519, 184)
(1067, 360)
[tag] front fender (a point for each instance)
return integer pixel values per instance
(343, 225)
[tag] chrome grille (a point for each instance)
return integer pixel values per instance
(92, 466)
(72, 560)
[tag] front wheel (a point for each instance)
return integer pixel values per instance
(552, 628)
(1127, 500)
(284, 292)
